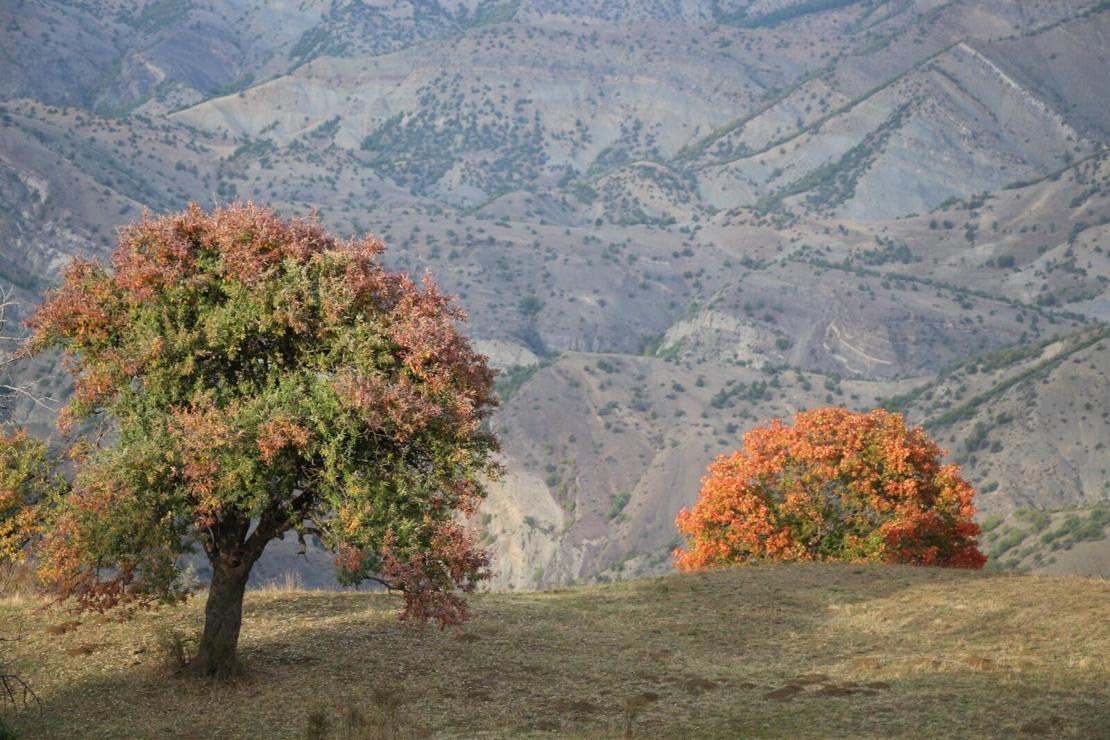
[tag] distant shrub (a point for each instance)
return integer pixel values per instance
(606, 366)
(530, 305)
(617, 504)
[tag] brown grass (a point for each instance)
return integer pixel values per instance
(782, 651)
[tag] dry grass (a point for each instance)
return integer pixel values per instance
(786, 651)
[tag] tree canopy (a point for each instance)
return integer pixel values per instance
(255, 377)
(834, 485)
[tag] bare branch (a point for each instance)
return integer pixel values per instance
(46, 402)
(17, 638)
(16, 352)
(390, 586)
(301, 532)
(13, 689)
(18, 692)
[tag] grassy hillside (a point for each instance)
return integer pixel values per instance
(786, 651)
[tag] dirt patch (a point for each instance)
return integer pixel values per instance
(786, 693)
(1043, 726)
(84, 649)
(62, 627)
(809, 679)
(578, 706)
(980, 664)
(824, 687)
(697, 685)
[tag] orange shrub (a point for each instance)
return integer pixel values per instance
(836, 485)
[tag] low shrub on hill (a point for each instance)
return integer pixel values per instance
(835, 485)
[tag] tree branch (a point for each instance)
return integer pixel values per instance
(9, 357)
(14, 689)
(389, 585)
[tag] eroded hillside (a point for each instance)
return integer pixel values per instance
(668, 221)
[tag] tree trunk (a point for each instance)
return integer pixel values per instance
(223, 615)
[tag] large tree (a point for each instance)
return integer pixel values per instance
(834, 485)
(257, 377)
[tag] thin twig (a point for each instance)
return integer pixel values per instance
(13, 688)
(11, 356)
(11, 684)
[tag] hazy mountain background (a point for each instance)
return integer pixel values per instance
(669, 220)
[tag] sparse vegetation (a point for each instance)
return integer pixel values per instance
(1078, 342)
(1030, 537)
(744, 19)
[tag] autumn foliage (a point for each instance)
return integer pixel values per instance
(260, 377)
(834, 485)
(27, 477)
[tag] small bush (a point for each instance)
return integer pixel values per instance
(382, 722)
(617, 504)
(175, 648)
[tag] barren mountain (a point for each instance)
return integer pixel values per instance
(669, 221)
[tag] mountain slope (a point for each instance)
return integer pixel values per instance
(667, 221)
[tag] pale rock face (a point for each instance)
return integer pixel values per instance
(719, 332)
(528, 521)
(503, 355)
